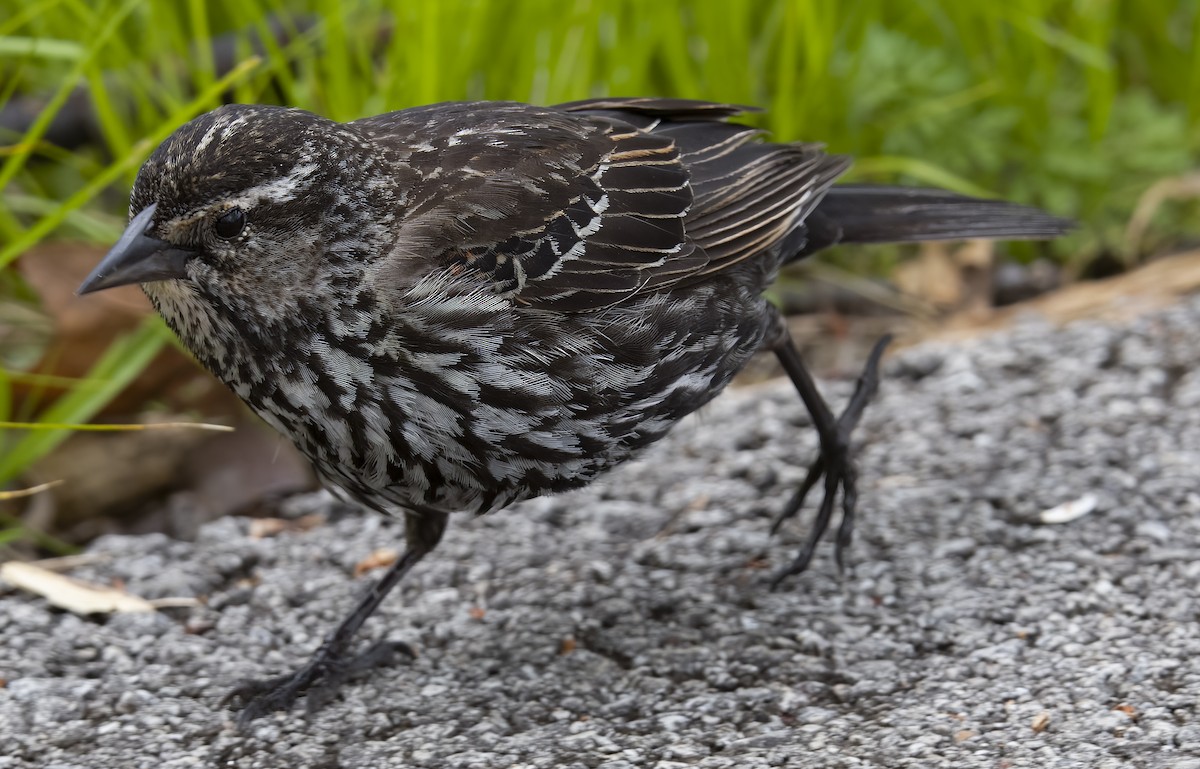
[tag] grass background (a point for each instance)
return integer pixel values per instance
(1078, 106)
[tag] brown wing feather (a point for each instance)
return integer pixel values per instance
(748, 195)
(579, 206)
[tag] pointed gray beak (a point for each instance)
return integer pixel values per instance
(137, 258)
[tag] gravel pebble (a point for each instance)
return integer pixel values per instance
(629, 624)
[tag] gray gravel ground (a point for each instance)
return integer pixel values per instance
(628, 625)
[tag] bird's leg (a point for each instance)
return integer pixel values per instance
(834, 462)
(332, 665)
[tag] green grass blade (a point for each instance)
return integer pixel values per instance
(138, 153)
(120, 364)
(17, 159)
(41, 48)
(919, 170)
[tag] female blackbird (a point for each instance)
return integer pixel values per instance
(459, 306)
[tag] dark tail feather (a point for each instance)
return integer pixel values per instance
(863, 213)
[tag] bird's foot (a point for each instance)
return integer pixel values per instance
(318, 680)
(836, 465)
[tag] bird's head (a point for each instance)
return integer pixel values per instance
(245, 202)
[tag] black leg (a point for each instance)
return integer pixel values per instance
(332, 665)
(834, 463)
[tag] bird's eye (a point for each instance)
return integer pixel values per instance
(230, 224)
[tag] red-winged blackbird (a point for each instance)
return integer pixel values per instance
(459, 306)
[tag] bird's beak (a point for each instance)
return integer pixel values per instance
(137, 258)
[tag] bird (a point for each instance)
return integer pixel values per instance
(455, 307)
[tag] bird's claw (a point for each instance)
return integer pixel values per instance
(318, 680)
(836, 465)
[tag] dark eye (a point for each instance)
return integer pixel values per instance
(230, 224)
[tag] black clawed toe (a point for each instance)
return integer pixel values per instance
(321, 677)
(834, 463)
(318, 681)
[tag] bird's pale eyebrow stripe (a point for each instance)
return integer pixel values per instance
(281, 189)
(278, 190)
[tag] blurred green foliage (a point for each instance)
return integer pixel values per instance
(1075, 105)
